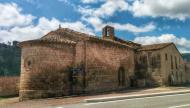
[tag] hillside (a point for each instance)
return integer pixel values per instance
(9, 59)
(186, 56)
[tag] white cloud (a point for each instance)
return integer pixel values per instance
(133, 28)
(173, 9)
(17, 26)
(95, 16)
(10, 15)
(182, 43)
(108, 8)
(89, 1)
(46, 24)
(36, 31)
(98, 24)
(67, 2)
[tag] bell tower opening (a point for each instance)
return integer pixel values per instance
(108, 32)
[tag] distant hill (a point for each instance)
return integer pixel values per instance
(9, 59)
(186, 56)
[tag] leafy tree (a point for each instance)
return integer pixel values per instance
(186, 56)
(9, 59)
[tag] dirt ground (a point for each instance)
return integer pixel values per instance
(52, 102)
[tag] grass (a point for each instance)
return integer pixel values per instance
(8, 100)
(7, 97)
(4, 97)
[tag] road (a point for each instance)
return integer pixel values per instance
(167, 101)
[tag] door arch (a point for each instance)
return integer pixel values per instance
(171, 79)
(121, 76)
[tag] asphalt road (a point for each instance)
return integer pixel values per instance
(167, 101)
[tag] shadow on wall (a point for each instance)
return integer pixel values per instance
(187, 69)
(52, 81)
(145, 79)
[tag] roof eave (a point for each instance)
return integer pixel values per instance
(22, 44)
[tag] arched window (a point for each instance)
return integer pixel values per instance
(28, 63)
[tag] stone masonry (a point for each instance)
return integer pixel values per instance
(65, 62)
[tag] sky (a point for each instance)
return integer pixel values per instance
(141, 21)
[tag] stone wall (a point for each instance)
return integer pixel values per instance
(45, 70)
(49, 70)
(173, 67)
(187, 69)
(161, 66)
(9, 86)
(148, 66)
(103, 63)
(78, 73)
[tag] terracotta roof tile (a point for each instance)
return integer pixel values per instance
(154, 46)
(57, 38)
(60, 33)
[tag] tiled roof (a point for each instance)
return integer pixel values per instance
(47, 41)
(57, 38)
(133, 44)
(154, 46)
(60, 34)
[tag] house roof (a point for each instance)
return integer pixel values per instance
(54, 37)
(66, 33)
(38, 41)
(62, 32)
(133, 44)
(154, 46)
(69, 36)
(50, 40)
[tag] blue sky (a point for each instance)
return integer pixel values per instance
(142, 21)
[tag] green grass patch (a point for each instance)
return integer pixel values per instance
(1, 98)
(6, 97)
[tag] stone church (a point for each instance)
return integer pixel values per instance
(66, 62)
